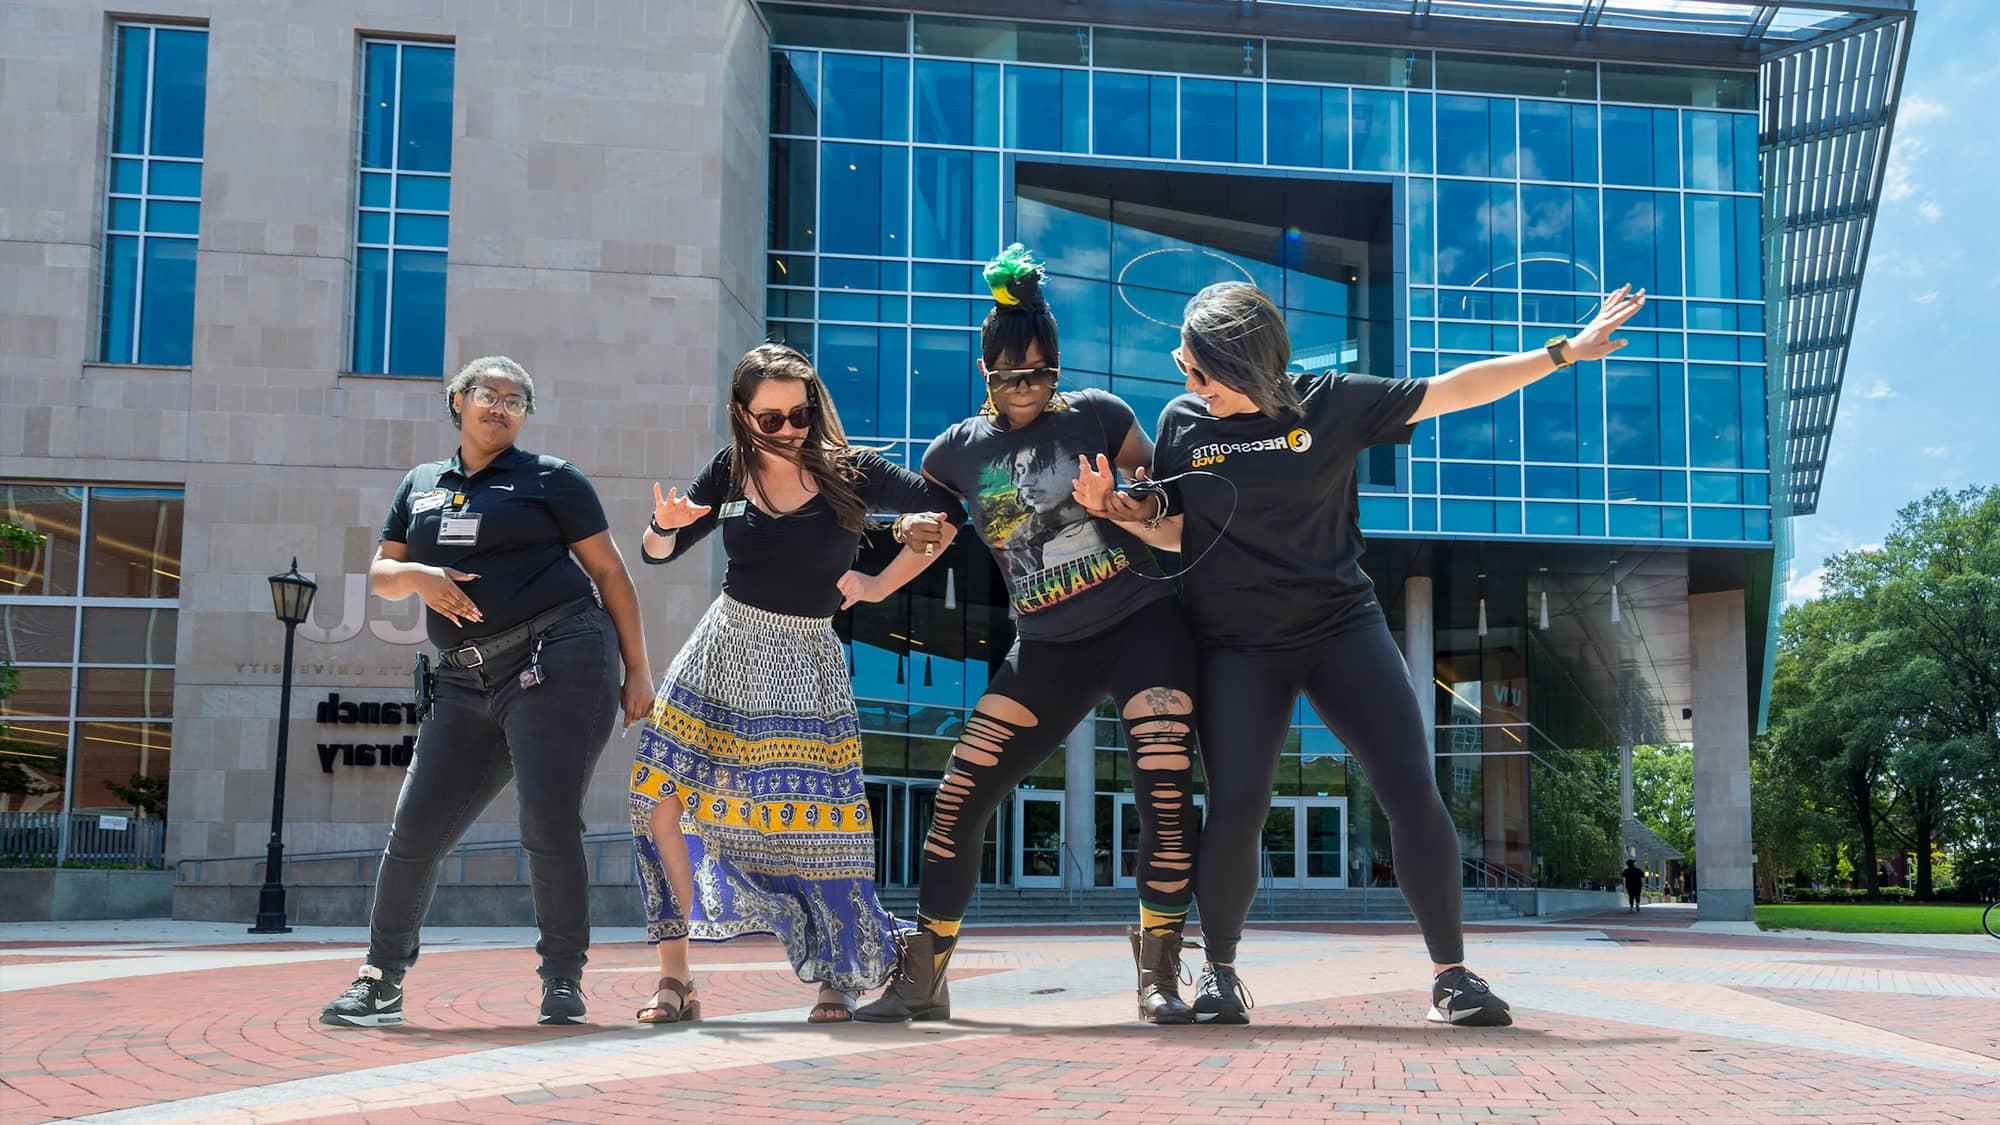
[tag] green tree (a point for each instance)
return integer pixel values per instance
(1663, 793)
(15, 540)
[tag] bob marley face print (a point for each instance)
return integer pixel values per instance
(1049, 546)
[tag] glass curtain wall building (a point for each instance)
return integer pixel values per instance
(1411, 210)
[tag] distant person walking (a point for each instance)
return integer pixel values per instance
(1635, 884)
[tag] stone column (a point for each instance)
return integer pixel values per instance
(1420, 651)
(1080, 804)
(1721, 757)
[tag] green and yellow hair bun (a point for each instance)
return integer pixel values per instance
(1015, 279)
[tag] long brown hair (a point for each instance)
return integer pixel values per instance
(1236, 335)
(824, 454)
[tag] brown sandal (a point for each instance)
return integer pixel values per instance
(837, 1010)
(684, 1012)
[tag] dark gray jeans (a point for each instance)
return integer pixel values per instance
(486, 731)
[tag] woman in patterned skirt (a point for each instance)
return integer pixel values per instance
(748, 811)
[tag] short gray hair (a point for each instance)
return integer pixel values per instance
(496, 364)
(1236, 336)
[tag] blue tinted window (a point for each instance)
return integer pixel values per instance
(166, 309)
(795, 92)
(121, 294)
(863, 369)
(1552, 430)
(1475, 136)
(1476, 234)
(1222, 121)
(1378, 130)
(958, 103)
(1467, 515)
(1308, 126)
(1642, 241)
(1048, 109)
(864, 96)
(1721, 151)
(1558, 141)
(423, 130)
(1718, 523)
(1636, 521)
(1757, 525)
(1551, 519)
(371, 309)
(864, 201)
(1644, 407)
(957, 205)
(1724, 242)
(1456, 479)
(1423, 231)
(1135, 115)
(1559, 232)
(158, 102)
(1641, 147)
(406, 126)
(1383, 513)
(180, 92)
(794, 214)
(944, 379)
(416, 311)
(1725, 416)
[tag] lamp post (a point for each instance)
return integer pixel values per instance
(291, 597)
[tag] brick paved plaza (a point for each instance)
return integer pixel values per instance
(1654, 1020)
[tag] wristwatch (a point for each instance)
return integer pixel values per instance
(1555, 345)
(653, 526)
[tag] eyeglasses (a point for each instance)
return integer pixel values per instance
(485, 398)
(1189, 370)
(1014, 380)
(771, 421)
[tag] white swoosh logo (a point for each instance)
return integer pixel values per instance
(503, 488)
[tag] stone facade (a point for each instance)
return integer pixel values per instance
(606, 230)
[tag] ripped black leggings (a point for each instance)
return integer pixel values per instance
(1146, 665)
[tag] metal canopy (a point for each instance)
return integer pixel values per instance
(1753, 24)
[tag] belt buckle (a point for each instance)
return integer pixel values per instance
(478, 657)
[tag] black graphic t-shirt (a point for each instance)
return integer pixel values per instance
(1069, 576)
(511, 523)
(1287, 571)
(789, 564)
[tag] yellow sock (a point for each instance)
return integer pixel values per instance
(944, 931)
(1162, 919)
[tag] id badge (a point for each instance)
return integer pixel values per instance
(732, 509)
(429, 501)
(458, 529)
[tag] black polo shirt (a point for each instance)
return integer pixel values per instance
(510, 523)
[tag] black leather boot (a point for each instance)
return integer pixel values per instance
(1158, 957)
(918, 990)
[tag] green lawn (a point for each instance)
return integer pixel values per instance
(1871, 918)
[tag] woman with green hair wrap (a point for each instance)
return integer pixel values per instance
(1094, 621)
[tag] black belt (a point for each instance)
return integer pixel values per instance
(472, 654)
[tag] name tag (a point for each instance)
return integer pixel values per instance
(428, 501)
(732, 509)
(461, 530)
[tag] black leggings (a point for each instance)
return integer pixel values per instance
(1145, 664)
(1360, 687)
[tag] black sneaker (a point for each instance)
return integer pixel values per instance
(1460, 998)
(373, 1000)
(1220, 996)
(562, 1000)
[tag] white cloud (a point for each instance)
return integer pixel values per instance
(1940, 452)
(1880, 390)
(1916, 112)
(1927, 297)
(1899, 182)
(1804, 587)
(1929, 211)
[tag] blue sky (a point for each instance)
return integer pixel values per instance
(1920, 407)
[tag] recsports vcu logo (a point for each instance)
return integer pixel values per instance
(1215, 453)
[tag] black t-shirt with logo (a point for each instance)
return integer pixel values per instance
(1287, 570)
(1068, 575)
(791, 563)
(511, 523)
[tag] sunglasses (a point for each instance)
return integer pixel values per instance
(1200, 378)
(486, 399)
(1014, 380)
(771, 421)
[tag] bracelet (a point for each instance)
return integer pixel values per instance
(898, 531)
(653, 526)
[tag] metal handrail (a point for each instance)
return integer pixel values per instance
(1085, 875)
(597, 839)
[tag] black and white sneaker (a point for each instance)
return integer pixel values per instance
(373, 1000)
(1460, 998)
(562, 1000)
(1220, 996)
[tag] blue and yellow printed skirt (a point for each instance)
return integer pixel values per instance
(753, 734)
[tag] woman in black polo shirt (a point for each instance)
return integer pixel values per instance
(1280, 605)
(504, 547)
